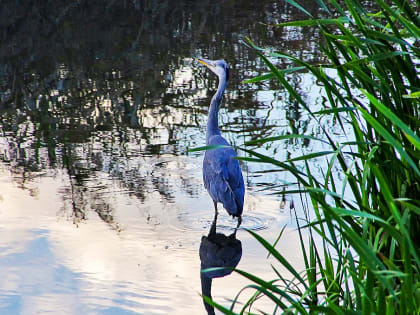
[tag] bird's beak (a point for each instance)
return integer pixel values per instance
(205, 62)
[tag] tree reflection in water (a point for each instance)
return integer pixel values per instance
(112, 88)
(107, 98)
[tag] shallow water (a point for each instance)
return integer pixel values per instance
(142, 260)
(102, 209)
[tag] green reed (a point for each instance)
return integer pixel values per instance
(369, 258)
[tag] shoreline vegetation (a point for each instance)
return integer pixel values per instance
(368, 261)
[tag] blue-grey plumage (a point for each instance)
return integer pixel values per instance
(222, 174)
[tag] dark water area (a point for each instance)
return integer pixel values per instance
(102, 208)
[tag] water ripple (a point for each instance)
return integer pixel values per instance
(201, 221)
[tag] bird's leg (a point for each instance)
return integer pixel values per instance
(212, 231)
(237, 227)
(215, 210)
(239, 222)
(213, 225)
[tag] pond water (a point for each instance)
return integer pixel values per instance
(102, 209)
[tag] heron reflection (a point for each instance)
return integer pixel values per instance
(217, 250)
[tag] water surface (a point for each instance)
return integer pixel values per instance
(102, 209)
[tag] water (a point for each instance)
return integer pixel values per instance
(102, 209)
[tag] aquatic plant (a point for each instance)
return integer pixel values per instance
(368, 260)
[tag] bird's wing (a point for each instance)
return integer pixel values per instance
(236, 181)
(223, 177)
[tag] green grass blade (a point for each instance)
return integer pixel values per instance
(221, 308)
(392, 140)
(278, 256)
(314, 22)
(310, 156)
(208, 147)
(412, 95)
(335, 110)
(284, 137)
(270, 75)
(268, 287)
(298, 6)
(394, 119)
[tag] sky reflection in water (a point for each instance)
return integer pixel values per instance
(145, 260)
(101, 207)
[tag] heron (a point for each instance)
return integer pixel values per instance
(222, 173)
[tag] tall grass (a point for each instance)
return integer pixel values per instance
(369, 258)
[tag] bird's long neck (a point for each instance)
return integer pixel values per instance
(206, 291)
(213, 122)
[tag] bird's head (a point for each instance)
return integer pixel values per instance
(219, 67)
